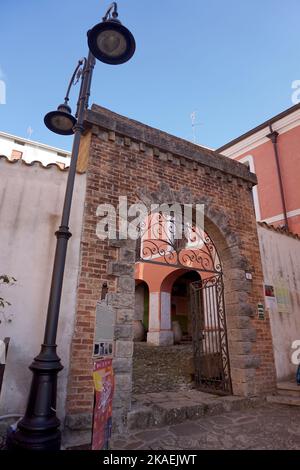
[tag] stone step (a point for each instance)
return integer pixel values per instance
(284, 400)
(288, 389)
(290, 393)
(174, 408)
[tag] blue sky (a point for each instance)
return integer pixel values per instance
(231, 61)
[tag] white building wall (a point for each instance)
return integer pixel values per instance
(31, 199)
(32, 151)
(280, 256)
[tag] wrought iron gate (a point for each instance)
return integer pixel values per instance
(212, 369)
(195, 251)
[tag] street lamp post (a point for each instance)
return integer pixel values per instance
(112, 43)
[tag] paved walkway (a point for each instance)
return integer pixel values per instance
(264, 427)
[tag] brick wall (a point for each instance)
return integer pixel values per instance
(130, 159)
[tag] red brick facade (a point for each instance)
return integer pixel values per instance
(130, 159)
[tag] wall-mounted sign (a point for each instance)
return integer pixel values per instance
(261, 311)
(269, 291)
(104, 330)
(103, 348)
(283, 297)
(102, 418)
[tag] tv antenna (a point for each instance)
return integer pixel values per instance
(194, 125)
(29, 132)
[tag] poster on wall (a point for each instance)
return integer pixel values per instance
(102, 418)
(270, 299)
(283, 297)
(269, 291)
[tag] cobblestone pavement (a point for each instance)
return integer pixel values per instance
(267, 427)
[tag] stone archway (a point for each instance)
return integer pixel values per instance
(241, 331)
(129, 158)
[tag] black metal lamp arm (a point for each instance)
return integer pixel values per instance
(76, 75)
(113, 10)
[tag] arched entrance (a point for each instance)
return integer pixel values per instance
(191, 293)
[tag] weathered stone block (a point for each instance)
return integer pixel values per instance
(245, 361)
(135, 146)
(243, 334)
(127, 255)
(246, 389)
(123, 382)
(246, 309)
(116, 243)
(236, 273)
(242, 375)
(112, 136)
(240, 347)
(119, 423)
(124, 332)
(241, 285)
(103, 135)
(122, 400)
(126, 284)
(238, 321)
(124, 348)
(234, 297)
(124, 315)
(120, 300)
(163, 156)
(120, 269)
(122, 364)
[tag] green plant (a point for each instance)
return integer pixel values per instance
(9, 280)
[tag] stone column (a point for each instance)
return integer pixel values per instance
(160, 332)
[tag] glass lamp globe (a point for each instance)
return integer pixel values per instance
(111, 43)
(60, 121)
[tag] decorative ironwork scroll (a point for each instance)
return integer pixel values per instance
(164, 241)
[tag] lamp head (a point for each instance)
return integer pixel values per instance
(60, 121)
(110, 42)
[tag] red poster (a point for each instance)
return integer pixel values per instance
(104, 388)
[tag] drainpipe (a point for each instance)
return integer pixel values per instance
(273, 137)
